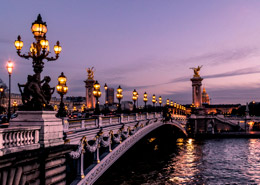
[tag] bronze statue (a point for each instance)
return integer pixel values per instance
(47, 90)
(35, 96)
(90, 73)
(196, 71)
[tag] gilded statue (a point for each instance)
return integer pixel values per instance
(196, 71)
(90, 72)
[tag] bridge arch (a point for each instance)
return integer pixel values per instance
(93, 173)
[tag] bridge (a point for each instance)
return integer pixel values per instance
(106, 138)
(117, 134)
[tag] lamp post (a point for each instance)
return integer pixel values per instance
(160, 102)
(134, 98)
(62, 89)
(119, 96)
(97, 94)
(154, 100)
(1, 95)
(145, 100)
(167, 102)
(106, 96)
(9, 68)
(39, 51)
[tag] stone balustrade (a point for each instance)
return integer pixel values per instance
(17, 139)
(82, 124)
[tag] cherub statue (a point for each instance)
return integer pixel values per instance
(196, 71)
(90, 73)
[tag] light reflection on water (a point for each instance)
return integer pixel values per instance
(189, 161)
(215, 161)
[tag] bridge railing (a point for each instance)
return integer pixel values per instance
(82, 124)
(18, 139)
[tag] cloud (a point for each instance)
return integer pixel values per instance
(245, 71)
(220, 57)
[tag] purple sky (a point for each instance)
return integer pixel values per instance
(144, 44)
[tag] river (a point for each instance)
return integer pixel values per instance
(188, 161)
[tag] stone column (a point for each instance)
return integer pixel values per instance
(196, 91)
(90, 99)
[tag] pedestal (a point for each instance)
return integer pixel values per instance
(51, 133)
(196, 91)
(90, 99)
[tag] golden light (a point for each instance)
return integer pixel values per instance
(175, 104)
(33, 50)
(62, 79)
(105, 86)
(55, 107)
(119, 90)
(134, 92)
(61, 87)
(74, 108)
(66, 108)
(44, 43)
(1, 89)
(15, 104)
(134, 98)
(167, 102)
(154, 98)
(18, 43)
(145, 97)
(9, 67)
(39, 28)
(96, 85)
(57, 48)
(171, 103)
(160, 100)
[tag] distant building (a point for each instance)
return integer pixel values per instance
(127, 105)
(76, 102)
(110, 96)
(205, 97)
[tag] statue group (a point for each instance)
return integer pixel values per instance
(196, 71)
(36, 94)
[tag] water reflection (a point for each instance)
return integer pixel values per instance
(213, 161)
(184, 166)
(218, 161)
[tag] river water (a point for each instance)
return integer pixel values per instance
(188, 161)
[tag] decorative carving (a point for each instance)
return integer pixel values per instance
(196, 71)
(90, 72)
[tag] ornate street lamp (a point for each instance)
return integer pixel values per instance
(97, 94)
(1, 94)
(134, 98)
(145, 99)
(106, 97)
(119, 96)
(160, 101)
(38, 97)
(154, 100)
(171, 103)
(9, 68)
(167, 102)
(62, 89)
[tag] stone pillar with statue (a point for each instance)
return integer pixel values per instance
(89, 84)
(196, 88)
